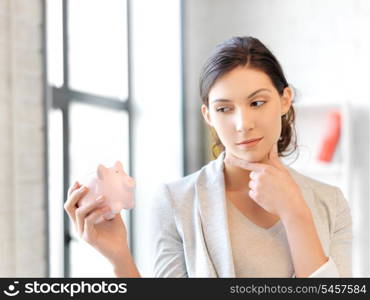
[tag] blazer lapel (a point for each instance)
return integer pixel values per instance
(210, 190)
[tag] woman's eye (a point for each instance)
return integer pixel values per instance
(258, 101)
(221, 109)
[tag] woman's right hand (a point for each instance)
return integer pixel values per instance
(108, 237)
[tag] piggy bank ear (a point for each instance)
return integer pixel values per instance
(118, 165)
(100, 172)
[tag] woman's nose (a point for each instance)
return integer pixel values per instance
(244, 121)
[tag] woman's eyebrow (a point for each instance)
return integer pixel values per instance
(250, 96)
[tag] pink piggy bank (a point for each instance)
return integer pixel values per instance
(114, 184)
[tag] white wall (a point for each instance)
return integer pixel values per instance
(322, 45)
(22, 212)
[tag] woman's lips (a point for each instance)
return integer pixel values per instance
(250, 144)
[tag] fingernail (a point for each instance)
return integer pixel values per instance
(82, 189)
(100, 199)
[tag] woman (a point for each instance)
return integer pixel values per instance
(244, 214)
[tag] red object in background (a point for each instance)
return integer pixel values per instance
(331, 137)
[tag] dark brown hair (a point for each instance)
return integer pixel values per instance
(250, 52)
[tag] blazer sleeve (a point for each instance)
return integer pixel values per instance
(168, 251)
(339, 263)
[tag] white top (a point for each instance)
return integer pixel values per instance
(258, 252)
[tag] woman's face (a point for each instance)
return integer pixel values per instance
(244, 104)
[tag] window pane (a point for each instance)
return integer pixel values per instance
(97, 135)
(55, 181)
(98, 47)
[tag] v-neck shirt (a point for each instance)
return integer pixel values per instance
(257, 251)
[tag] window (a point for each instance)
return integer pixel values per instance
(89, 115)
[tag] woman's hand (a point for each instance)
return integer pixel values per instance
(108, 237)
(271, 185)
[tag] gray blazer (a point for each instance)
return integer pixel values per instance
(189, 227)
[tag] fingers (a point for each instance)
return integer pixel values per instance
(94, 217)
(253, 175)
(74, 197)
(274, 157)
(76, 185)
(252, 184)
(273, 152)
(83, 211)
(252, 194)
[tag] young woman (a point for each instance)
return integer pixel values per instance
(244, 214)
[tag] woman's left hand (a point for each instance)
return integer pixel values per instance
(271, 185)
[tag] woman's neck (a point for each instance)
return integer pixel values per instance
(236, 179)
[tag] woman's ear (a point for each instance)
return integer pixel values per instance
(287, 99)
(206, 116)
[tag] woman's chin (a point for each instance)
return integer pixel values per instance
(249, 156)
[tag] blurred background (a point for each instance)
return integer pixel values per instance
(84, 82)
